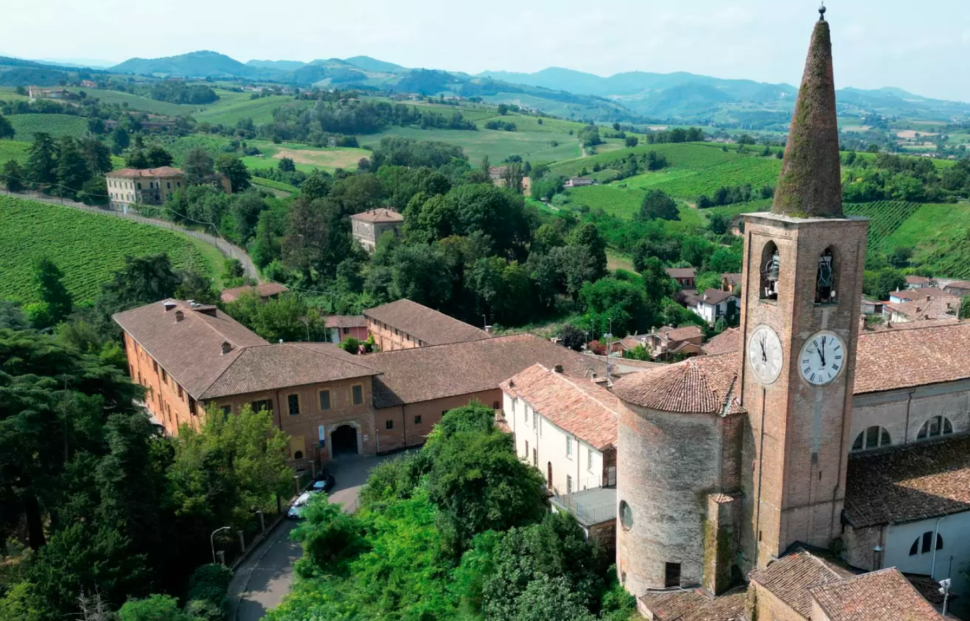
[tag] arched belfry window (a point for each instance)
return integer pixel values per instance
(770, 271)
(826, 281)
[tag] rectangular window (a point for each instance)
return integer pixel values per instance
(180, 392)
(535, 458)
(357, 393)
(155, 367)
(293, 404)
(226, 410)
(569, 484)
(324, 400)
(164, 377)
(527, 449)
(672, 575)
(526, 410)
(192, 406)
(346, 330)
(417, 419)
(569, 446)
(259, 406)
(168, 185)
(389, 424)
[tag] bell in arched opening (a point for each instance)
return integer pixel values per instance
(825, 283)
(770, 272)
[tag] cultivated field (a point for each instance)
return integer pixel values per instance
(497, 145)
(259, 110)
(87, 247)
(306, 158)
(57, 125)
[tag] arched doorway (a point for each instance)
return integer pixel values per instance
(343, 441)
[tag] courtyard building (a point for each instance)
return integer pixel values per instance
(405, 324)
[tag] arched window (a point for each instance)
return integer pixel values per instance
(927, 540)
(770, 272)
(872, 438)
(298, 455)
(626, 515)
(936, 426)
(825, 283)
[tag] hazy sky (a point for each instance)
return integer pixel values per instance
(922, 46)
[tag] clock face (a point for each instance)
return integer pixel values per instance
(765, 354)
(823, 358)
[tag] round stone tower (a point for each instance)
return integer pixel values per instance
(678, 450)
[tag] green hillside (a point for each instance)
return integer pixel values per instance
(87, 247)
(57, 125)
(13, 150)
(229, 112)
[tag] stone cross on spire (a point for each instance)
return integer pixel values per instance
(810, 184)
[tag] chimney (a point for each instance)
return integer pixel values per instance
(179, 316)
(226, 347)
(557, 368)
(168, 306)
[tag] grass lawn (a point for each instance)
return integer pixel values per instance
(57, 125)
(86, 247)
(497, 145)
(13, 150)
(9, 93)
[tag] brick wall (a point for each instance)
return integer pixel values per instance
(409, 425)
(763, 605)
(388, 338)
(167, 402)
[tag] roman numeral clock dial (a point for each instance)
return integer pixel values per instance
(822, 359)
(765, 354)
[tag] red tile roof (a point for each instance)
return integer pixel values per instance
(790, 577)
(346, 321)
(922, 310)
(425, 324)
(681, 272)
(578, 406)
(885, 595)
(704, 385)
(727, 341)
(266, 290)
(919, 294)
(427, 373)
(680, 334)
(918, 481)
(135, 173)
(378, 215)
(917, 280)
(693, 605)
(893, 359)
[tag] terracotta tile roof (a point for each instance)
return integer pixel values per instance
(734, 279)
(885, 595)
(918, 481)
(704, 385)
(693, 605)
(265, 290)
(426, 373)
(425, 324)
(576, 405)
(790, 577)
(189, 350)
(892, 359)
(346, 321)
(681, 272)
(957, 284)
(135, 173)
(727, 341)
(921, 310)
(919, 294)
(272, 367)
(680, 334)
(378, 215)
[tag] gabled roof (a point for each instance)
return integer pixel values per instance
(917, 481)
(684, 333)
(727, 341)
(265, 290)
(378, 215)
(425, 324)
(885, 595)
(924, 293)
(426, 373)
(923, 310)
(810, 182)
(704, 385)
(918, 280)
(904, 358)
(190, 350)
(681, 272)
(273, 367)
(578, 406)
(790, 578)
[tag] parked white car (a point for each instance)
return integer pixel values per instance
(296, 510)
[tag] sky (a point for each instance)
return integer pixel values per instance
(922, 47)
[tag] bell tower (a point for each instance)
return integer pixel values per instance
(803, 265)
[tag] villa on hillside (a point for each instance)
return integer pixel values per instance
(151, 186)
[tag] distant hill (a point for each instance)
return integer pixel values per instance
(195, 64)
(282, 65)
(372, 64)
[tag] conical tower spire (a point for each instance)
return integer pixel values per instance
(810, 184)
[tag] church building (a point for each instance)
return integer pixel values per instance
(733, 469)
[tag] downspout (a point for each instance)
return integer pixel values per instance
(279, 411)
(761, 469)
(909, 407)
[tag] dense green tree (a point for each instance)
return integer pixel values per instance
(158, 156)
(233, 168)
(6, 129)
(197, 287)
(142, 280)
(120, 139)
(198, 167)
(657, 205)
(419, 274)
(878, 285)
(41, 164)
(286, 165)
(286, 318)
(588, 237)
(53, 294)
(317, 185)
(72, 169)
(137, 159)
(622, 304)
(718, 224)
(572, 337)
(695, 249)
(154, 608)
(632, 141)
(97, 155)
(656, 283)
(13, 176)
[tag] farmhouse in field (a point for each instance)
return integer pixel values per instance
(579, 182)
(367, 227)
(36, 92)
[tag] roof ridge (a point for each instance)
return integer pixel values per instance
(242, 350)
(302, 345)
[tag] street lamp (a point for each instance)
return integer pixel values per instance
(212, 542)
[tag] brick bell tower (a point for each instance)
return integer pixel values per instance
(803, 265)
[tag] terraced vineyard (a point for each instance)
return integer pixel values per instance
(885, 218)
(57, 125)
(87, 247)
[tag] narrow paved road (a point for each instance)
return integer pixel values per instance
(267, 575)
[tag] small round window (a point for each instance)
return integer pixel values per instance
(626, 515)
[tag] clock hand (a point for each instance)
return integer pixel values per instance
(821, 351)
(764, 352)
